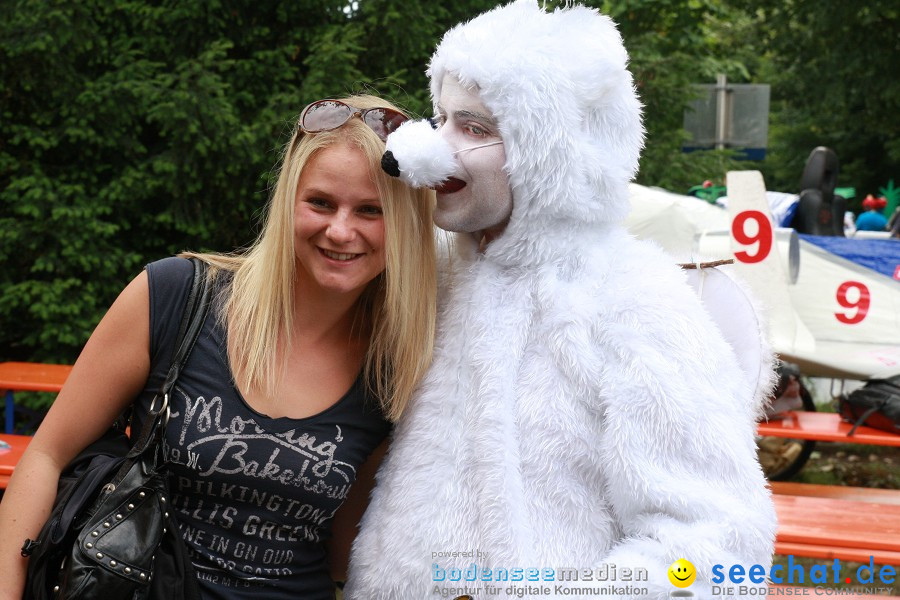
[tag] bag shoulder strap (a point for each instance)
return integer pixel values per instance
(195, 311)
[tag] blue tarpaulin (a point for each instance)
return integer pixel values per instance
(882, 256)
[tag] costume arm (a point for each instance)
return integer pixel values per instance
(678, 444)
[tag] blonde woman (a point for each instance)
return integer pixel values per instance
(320, 332)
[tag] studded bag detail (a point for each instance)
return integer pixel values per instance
(110, 535)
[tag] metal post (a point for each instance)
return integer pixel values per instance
(721, 110)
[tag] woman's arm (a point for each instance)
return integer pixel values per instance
(111, 370)
(346, 521)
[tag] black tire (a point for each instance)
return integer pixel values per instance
(782, 458)
(820, 172)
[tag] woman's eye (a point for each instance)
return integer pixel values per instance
(318, 203)
(370, 210)
(476, 130)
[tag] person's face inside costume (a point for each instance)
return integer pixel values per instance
(338, 223)
(477, 199)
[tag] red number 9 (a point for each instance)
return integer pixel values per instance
(861, 305)
(763, 235)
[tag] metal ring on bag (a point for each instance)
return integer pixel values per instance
(165, 402)
(162, 407)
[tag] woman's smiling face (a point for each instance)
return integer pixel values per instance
(484, 202)
(338, 223)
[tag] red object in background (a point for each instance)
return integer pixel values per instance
(763, 236)
(873, 203)
(861, 305)
(11, 449)
(32, 377)
(23, 377)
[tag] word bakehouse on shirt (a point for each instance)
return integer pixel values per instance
(253, 495)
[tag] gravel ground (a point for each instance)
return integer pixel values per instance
(852, 464)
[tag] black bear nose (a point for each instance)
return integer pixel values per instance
(390, 165)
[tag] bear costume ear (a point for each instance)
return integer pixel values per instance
(418, 155)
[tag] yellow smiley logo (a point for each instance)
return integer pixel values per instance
(682, 573)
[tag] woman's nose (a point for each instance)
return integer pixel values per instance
(340, 229)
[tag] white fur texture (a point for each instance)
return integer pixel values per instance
(425, 158)
(582, 407)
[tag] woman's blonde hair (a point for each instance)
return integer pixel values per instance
(399, 304)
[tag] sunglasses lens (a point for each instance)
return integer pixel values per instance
(384, 121)
(324, 115)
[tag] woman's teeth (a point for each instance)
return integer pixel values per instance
(337, 255)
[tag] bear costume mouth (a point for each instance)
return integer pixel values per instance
(451, 185)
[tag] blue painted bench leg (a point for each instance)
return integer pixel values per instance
(9, 412)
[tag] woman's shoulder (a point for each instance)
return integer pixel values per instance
(173, 270)
(175, 273)
(169, 282)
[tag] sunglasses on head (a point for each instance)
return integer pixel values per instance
(325, 115)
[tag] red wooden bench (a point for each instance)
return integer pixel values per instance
(827, 427)
(29, 377)
(828, 521)
(11, 449)
(21, 377)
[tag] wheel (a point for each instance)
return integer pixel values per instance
(782, 458)
(820, 172)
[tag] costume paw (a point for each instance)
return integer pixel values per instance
(418, 155)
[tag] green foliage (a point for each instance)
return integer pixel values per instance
(673, 45)
(832, 66)
(132, 130)
(892, 195)
(680, 171)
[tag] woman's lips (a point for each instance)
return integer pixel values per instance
(451, 185)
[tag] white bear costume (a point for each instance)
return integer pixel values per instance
(582, 409)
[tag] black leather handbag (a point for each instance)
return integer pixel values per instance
(110, 535)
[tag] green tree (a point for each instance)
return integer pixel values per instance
(674, 45)
(833, 68)
(130, 131)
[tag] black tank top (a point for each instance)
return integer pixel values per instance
(254, 496)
